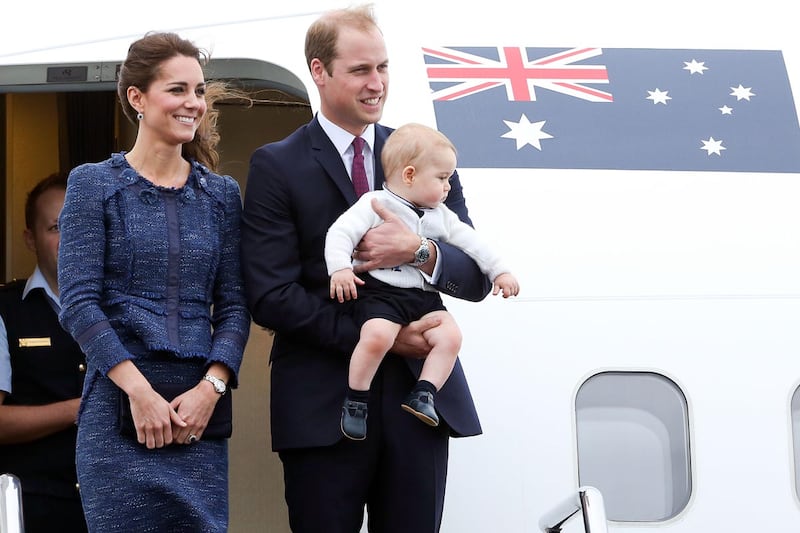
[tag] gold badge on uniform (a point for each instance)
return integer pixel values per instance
(34, 342)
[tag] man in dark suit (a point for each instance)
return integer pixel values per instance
(296, 188)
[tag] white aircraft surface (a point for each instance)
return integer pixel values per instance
(639, 167)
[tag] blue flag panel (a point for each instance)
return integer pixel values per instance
(618, 108)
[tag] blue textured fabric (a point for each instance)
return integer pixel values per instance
(125, 487)
(147, 272)
(120, 280)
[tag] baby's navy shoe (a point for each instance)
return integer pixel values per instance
(420, 404)
(354, 419)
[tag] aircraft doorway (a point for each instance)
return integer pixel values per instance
(50, 126)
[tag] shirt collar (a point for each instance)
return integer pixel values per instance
(341, 138)
(37, 281)
(418, 210)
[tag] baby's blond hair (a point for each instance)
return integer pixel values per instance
(407, 145)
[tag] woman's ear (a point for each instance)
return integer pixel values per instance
(135, 98)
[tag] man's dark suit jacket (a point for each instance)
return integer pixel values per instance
(296, 188)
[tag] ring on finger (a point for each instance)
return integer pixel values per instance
(192, 439)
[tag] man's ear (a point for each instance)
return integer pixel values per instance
(408, 174)
(30, 242)
(318, 71)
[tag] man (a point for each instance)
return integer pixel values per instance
(296, 188)
(41, 376)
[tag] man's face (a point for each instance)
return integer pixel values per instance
(353, 94)
(44, 236)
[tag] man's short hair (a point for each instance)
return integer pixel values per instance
(57, 180)
(323, 33)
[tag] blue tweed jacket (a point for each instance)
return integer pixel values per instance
(145, 265)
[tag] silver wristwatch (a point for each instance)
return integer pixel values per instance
(219, 385)
(423, 253)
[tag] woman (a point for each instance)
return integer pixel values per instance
(151, 289)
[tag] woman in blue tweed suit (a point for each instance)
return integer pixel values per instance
(151, 289)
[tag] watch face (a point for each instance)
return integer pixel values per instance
(423, 253)
(218, 384)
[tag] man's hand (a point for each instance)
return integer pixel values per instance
(410, 341)
(388, 245)
(343, 285)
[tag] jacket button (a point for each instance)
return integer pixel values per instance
(81, 367)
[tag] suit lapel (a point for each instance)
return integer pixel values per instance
(381, 133)
(325, 152)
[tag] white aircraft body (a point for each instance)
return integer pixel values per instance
(654, 350)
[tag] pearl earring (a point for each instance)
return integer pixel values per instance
(139, 116)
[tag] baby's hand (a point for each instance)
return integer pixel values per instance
(507, 283)
(343, 285)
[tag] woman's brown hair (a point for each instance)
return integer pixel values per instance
(142, 66)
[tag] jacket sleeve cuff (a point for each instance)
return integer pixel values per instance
(102, 347)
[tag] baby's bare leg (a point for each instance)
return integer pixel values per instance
(377, 337)
(445, 340)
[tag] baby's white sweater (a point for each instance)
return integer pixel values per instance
(439, 224)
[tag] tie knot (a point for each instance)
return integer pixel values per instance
(358, 145)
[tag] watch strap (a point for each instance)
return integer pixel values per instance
(219, 386)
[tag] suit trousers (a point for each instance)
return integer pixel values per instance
(45, 514)
(399, 471)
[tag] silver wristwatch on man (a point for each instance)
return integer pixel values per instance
(423, 253)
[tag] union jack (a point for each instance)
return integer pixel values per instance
(471, 74)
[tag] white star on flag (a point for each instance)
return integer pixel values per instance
(742, 93)
(658, 96)
(633, 109)
(526, 132)
(712, 146)
(695, 67)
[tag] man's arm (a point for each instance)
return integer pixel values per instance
(460, 275)
(393, 243)
(26, 423)
(23, 423)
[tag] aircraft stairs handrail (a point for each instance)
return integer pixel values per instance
(589, 501)
(10, 504)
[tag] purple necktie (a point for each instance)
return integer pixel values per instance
(359, 173)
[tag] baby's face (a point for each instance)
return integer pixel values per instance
(431, 179)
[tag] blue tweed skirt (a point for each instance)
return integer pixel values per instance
(126, 487)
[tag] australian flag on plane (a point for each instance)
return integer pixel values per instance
(616, 108)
